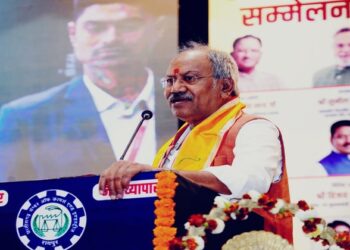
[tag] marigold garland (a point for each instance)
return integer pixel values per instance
(164, 211)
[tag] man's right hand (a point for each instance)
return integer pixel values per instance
(116, 179)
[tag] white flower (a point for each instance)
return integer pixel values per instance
(199, 241)
(217, 213)
(306, 215)
(254, 195)
(317, 232)
(318, 245)
(220, 226)
(335, 247)
(233, 216)
(194, 231)
(221, 202)
(244, 203)
(278, 206)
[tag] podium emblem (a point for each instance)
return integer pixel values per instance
(4, 198)
(53, 219)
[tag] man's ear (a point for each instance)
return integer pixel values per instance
(227, 86)
(71, 28)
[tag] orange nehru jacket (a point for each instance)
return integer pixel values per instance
(225, 156)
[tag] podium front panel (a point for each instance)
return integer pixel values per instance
(69, 213)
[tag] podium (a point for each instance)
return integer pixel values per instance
(69, 213)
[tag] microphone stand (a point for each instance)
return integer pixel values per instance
(146, 115)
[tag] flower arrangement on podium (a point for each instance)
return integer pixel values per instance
(198, 225)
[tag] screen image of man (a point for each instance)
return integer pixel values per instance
(214, 147)
(338, 161)
(247, 52)
(78, 127)
(338, 74)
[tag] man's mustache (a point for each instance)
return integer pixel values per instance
(179, 96)
(118, 49)
(346, 144)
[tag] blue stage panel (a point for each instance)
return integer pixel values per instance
(65, 214)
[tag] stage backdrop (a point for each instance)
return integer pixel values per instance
(297, 41)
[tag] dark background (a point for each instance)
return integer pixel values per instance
(193, 21)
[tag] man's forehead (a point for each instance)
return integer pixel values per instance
(343, 130)
(192, 57)
(342, 37)
(189, 61)
(112, 11)
(345, 127)
(248, 42)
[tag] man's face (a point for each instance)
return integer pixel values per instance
(341, 139)
(195, 101)
(342, 48)
(107, 35)
(247, 53)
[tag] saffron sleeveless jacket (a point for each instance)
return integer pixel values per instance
(280, 189)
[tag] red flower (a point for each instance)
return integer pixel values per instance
(263, 200)
(233, 207)
(212, 224)
(303, 205)
(270, 204)
(242, 213)
(196, 220)
(317, 220)
(266, 202)
(191, 244)
(325, 242)
(311, 225)
(343, 240)
(247, 197)
(176, 244)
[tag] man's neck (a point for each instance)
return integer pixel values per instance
(120, 84)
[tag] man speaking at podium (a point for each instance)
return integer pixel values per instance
(78, 127)
(219, 146)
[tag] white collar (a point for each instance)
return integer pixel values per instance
(104, 101)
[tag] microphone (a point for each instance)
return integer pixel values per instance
(146, 115)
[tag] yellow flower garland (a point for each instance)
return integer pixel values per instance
(164, 211)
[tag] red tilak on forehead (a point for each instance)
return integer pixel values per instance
(176, 71)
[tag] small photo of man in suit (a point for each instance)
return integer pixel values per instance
(339, 73)
(337, 162)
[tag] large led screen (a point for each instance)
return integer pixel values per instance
(75, 77)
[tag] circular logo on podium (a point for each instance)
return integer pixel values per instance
(52, 219)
